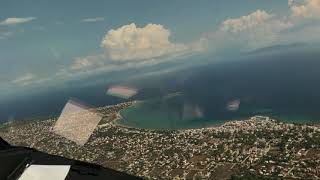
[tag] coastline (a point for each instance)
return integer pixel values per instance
(235, 144)
(213, 124)
(119, 117)
(252, 138)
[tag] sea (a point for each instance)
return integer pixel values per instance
(284, 84)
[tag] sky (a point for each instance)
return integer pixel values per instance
(47, 43)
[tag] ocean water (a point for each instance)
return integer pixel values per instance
(172, 113)
(50, 104)
(163, 113)
(282, 85)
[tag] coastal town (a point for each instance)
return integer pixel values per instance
(257, 148)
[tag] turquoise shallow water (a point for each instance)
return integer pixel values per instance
(170, 113)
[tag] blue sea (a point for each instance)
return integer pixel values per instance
(282, 85)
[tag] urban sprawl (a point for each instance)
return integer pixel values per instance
(257, 148)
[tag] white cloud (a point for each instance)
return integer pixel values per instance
(308, 9)
(149, 46)
(246, 22)
(95, 66)
(258, 20)
(131, 47)
(255, 30)
(24, 79)
(131, 42)
(15, 20)
(95, 19)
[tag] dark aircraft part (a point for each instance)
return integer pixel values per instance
(13, 161)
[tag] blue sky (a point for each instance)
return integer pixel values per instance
(45, 42)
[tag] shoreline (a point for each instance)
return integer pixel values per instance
(119, 117)
(117, 120)
(242, 142)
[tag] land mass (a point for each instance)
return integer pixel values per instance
(256, 148)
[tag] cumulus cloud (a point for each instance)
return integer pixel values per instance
(132, 47)
(150, 45)
(95, 19)
(255, 30)
(258, 21)
(15, 20)
(131, 42)
(307, 9)
(246, 22)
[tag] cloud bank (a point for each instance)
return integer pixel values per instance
(130, 46)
